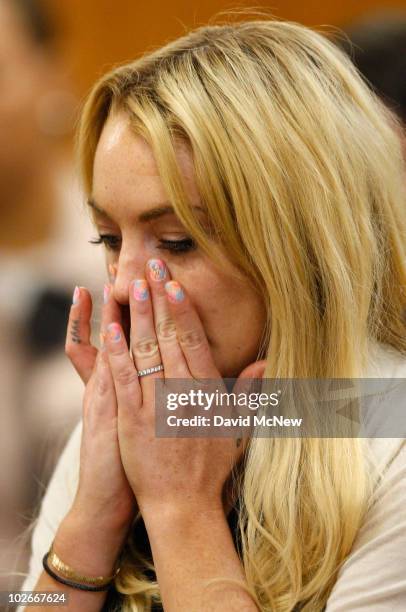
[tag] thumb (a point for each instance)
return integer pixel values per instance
(244, 382)
(253, 370)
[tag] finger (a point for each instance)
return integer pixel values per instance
(125, 378)
(112, 268)
(144, 343)
(249, 376)
(111, 310)
(77, 345)
(249, 381)
(103, 403)
(190, 333)
(166, 333)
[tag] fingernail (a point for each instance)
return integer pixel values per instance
(106, 293)
(114, 332)
(140, 290)
(76, 295)
(174, 292)
(157, 269)
(112, 273)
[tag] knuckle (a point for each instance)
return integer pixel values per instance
(71, 350)
(126, 377)
(166, 329)
(147, 347)
(192, 339)
(102, 386)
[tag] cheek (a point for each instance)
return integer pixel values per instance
(221, 304)
(228, 307)
(206, 292)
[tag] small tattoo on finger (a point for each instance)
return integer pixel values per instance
(75, 331)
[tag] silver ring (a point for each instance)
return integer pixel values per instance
(157, 368)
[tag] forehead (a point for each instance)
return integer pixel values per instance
(125, 171)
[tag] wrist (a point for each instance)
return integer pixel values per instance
(90, 547)
(182, 514)
(112, 520)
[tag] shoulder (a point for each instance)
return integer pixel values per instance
(374, 575)
(385, 362)
(55, 504)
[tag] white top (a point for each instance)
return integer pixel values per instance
(373, 577)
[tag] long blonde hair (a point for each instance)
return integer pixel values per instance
(300, 167)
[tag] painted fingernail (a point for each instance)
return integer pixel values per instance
(140, 290)
(112, 273)
(76, 296)
(174, 291)
(157, 269)
(106, 293)
(114, 332)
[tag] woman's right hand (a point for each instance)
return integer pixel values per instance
(93, 532)
(103, 489)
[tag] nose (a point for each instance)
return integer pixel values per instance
(127, 269)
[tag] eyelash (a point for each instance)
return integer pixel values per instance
(176, 247)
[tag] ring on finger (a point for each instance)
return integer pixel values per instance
(157, 368)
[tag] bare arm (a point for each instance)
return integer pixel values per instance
(190, 548)
(178, 481)
(89, 546)
(90, 536)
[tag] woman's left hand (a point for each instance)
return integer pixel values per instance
(179, 473)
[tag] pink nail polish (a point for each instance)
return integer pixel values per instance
(76, 296)
(174, 292)
(106, 293)
(114, 332)
(157, 269)
(140, 290)
(112, 273)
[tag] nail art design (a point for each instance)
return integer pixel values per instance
(174, 291)
(140, 290)
(157, 269)
(76, 295)
(114, 332)
(106, 293)
(112, 273)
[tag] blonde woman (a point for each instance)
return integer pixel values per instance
(248, 189)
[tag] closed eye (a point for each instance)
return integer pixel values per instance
(176, 247)
(112, 243)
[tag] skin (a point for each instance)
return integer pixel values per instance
(214, 331)
(127, 183)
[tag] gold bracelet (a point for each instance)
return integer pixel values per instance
(68, 572)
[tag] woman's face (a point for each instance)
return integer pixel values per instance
(129, 205)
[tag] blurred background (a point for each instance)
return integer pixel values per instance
(51, 51)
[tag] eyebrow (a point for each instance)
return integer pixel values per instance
(164, 208)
